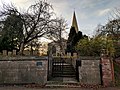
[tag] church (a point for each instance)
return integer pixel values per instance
(69, 45)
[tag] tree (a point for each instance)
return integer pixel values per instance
(57, 34)
(37, 21)
(112, 27)
(111, 30)
(70, 42)
(33, 45)
(93, 46)
(11, 32)
(73, 39)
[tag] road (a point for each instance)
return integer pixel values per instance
(24, 88)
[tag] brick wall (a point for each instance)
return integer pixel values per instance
(107, 71)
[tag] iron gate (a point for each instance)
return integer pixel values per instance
(57, 70)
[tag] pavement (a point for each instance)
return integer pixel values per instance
(24, 88)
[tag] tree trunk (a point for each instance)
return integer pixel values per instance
(31, 52)
(21, 49)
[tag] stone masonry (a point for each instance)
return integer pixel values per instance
(89, 71)
(22, 70)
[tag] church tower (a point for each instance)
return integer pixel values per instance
(74, 23)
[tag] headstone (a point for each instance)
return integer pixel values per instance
(9, 53)
(26, 52)
(35, 52)
(4, 52)
(75, 54)
(68, 54)
(14, 52)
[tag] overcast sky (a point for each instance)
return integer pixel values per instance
(89, 13)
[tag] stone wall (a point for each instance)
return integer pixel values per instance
(89, 71)
(25, 52)
(23, 70)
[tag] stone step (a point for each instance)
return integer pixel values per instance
(63, 65)
(63, 70)
(58, 73)
(62, 75)
(62, 86)
(55, 66)
(66, 70)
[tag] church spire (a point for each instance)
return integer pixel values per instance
(74, 22)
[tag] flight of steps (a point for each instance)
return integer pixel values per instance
(63, 75)
(64, 70)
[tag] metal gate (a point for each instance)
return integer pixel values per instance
(57, 69)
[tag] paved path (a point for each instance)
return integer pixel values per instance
(23, 88)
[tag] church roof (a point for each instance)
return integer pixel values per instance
(74, 22)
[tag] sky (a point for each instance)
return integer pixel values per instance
(89, 13)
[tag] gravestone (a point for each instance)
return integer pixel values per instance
(68, 54)
(4, 52)
(75, 54)
(14, 52)
(9, 53)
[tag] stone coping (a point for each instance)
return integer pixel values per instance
(23, 58)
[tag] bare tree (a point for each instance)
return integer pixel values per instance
(112, 27)
(57, 35)
(37, 21)
(112, 30)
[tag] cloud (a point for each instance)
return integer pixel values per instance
(88, 12)
(104, 12)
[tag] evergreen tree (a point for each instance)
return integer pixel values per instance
(11, 32)
(73, 39)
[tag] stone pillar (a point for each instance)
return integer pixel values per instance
(107, 72)
(14, 52)
(9, 53)
(74, 60)
(4, 52)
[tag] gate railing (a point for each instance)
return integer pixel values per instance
(68, 58)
